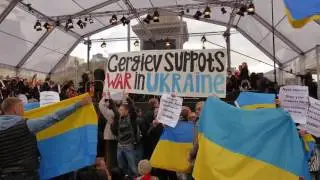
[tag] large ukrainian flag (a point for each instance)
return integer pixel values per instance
(300, 12)
(173, 148)
(251, 100)
(70, 144)
(237, 144)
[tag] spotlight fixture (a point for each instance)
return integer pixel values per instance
(251, 9)
(197, 15)
(207, 12)
(203, 39)
(136, 43)
(69, 24)
(113, 20)
(156, 16)
(48, 26)
(58, 23)
(223, 10)
(90, 20)
(148, 19)
(103, 44)
(80, 24)
(37, 26)
(242, 10)
(167, 43)
(124, 21)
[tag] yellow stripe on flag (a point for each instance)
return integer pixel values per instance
(178, 154)
(258, 106)
(217, 163)
(73, 121)
(300, 23)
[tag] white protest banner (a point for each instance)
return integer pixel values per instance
(49, 97)
(294, 99)
(189, 73)
(313, 117)
(169, 110)
(23, 98)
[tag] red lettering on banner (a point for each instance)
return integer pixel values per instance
(126, 82)
(119, 81)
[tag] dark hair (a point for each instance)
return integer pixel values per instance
(117, 174)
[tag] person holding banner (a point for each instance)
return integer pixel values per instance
(19, 155)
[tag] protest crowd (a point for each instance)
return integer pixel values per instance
(128, 134)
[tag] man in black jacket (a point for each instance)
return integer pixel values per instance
(125, 128)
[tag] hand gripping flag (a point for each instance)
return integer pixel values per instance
(237, 144)
(70, 144)
(300, 12)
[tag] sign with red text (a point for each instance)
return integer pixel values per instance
(189, 73)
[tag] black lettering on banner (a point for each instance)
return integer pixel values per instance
(142, 62)
(217, 56)
(122, 63)
(135, 64)
(178, 62)
(202, 62)
(186, 56)
(157, 62)
(109, 63)
(168, 58)
(194, 58)
(148, 61)
(210, 60)
(129, 59)
(139, 81)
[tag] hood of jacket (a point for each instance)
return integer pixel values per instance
(8, 121)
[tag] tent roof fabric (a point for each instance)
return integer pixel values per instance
(22, 47)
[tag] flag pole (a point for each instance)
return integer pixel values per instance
(274, 52)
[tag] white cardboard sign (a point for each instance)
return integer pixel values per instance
(169, 110)
(49, 97)
(294, 99)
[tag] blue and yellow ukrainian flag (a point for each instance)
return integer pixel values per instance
(70, 144)
(236, 144)
(173, 148)
(251, 100)
(30, 106)
(300, 12)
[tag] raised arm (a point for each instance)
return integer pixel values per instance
(39, 124)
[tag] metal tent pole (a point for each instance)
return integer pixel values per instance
(274, 50)
(129, 37)
(318, 69)
(88, 53)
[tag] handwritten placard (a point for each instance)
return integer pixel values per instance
(190, 73)
(313, 117)
(294, 99)
(169, 110)
(49, 97)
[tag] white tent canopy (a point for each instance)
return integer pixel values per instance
(22, 47)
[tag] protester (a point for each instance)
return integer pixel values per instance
(18, 135)
(109, 137)
(124, 126)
